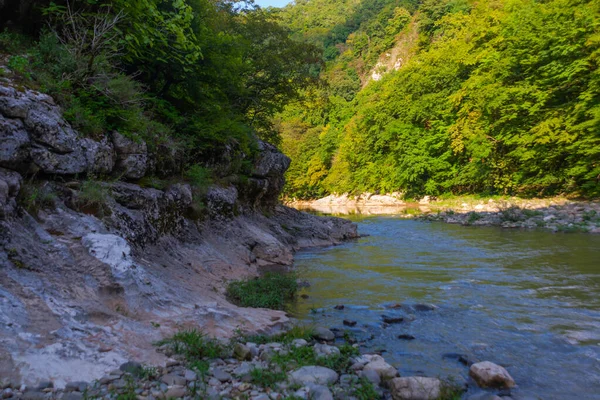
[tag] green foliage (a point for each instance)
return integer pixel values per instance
(496, 97)
(473, 217)
(34, 197)
(194, 345)
(271, 290)
(365, 390)
(298, 331)
(92, 197)
(199, 176)
(267, 378)
(18, 64)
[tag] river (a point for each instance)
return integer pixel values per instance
(527, 300)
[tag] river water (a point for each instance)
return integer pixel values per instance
(527, 300)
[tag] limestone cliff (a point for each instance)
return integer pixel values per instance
(86, 285)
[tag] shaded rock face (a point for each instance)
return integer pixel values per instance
(132, 157)
(10, 184)
(267, 178)
(94, 280)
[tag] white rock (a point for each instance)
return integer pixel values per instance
(415, 388)
(488, 374)
(315, 375)
(383, 369)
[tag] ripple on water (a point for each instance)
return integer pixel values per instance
(528, 300)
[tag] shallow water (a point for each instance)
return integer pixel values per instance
(528, 300)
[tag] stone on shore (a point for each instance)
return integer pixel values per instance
(415, 388)
(490, 375)
(315, 375)
(383, 369)
(323, 334)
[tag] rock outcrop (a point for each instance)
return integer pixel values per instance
(92, 273)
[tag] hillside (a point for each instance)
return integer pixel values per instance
(470, 97)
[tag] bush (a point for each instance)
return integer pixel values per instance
(272, 290)
(35, 197)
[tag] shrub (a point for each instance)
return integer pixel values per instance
(92, 197)
(272, 290)
(35, 197)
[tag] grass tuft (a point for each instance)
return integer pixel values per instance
(271, 290)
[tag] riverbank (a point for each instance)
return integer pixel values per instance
(303, 363)
(557, 214)
(107, 244)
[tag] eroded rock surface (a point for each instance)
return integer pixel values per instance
(93, 276)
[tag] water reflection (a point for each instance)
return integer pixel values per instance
(528, 300)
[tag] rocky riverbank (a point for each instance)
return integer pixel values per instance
(555, 214)
(94, 270)
(302, 364)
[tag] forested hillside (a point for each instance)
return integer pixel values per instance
(447, 97)
(200, 79)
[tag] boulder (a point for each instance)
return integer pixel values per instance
(172, 379)
(319, 392)
(383, 369)
(490, 375)
(221, 201)
(51, 162)
(132, 156)
(242, 352)
(100, 156)
(270, 166)
(415, 388)
(314, 375)
(324, 350)
(323, 334)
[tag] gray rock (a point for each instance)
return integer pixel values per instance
(221, 375)
(76, 386)
(221, 201)
(7, 393)
(372, 376)
(73, 396)
(132, 367)
(490, 375)
(242, 352)
(51, 162)
(323, 334)
(33, 395)
(383, 369)
(10, 185)
(172, 379)
(313, 374)
(299, 343)
(320, 392)
(175, 392)
(324, 350)
(100, 156)
(267, 177)
(415, 388)
(243, 369)
(14, 144)
(190, 375)
(45, 385)
(132, 156)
